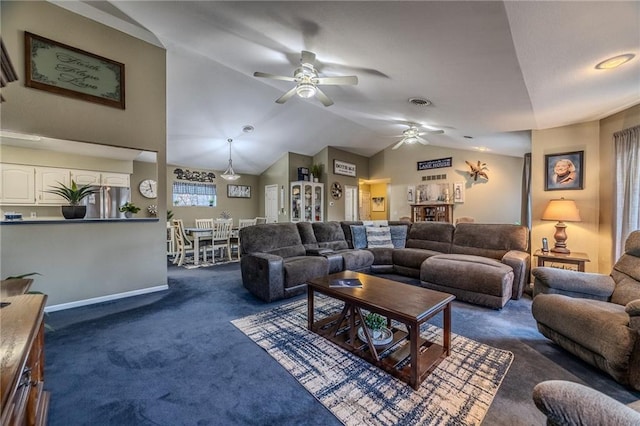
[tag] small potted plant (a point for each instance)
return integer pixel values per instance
(74, 194)
(375, 323)
(129, 209)
(316, 171)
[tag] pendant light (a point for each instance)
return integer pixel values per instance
(229, 174)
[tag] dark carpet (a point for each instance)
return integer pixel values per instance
(174, 358)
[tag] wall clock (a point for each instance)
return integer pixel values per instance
(149, 188)
(336, 190)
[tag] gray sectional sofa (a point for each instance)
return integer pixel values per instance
(479, 263)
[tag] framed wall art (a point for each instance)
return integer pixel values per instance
(68, 71)
(458, 192)
(344, 168)
(377, 204)
(564, 171)
(238, 191)
(411, 194)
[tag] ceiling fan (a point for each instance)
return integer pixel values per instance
(307, 80)
(413, 135)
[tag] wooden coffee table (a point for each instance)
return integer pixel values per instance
(408, 356)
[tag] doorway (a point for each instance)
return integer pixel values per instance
(271, 203)
(350, 202)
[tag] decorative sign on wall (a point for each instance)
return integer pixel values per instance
(194, 176)
(344, 168)
(65, 70)
(435, 164)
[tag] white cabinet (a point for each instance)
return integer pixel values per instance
(85, 177)
(115, 179)
(17, 184)
(307, 201)
(48, 178)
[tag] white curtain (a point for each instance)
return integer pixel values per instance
(627, 147)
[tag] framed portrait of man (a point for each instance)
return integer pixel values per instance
(564, 171)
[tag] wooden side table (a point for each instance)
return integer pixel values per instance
(573, 258)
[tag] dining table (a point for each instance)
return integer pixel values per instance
(202, 234)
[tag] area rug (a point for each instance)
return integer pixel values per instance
(458, 392)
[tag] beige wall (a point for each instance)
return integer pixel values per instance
(496, 200)
(582, 236)
(239, 208)
(85, 261)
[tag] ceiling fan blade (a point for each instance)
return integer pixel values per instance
(422, 141)
(284, 98)
(434, 132)
(323, 98)
(307, 57)
(275, 77)
(346, 79)
(396, 146)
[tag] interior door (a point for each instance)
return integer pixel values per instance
(365, 205)
(350, 202)
(271, 203)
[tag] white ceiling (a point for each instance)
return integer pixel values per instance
(493, 70)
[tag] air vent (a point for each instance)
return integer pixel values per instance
(248, 128)
(420, 101)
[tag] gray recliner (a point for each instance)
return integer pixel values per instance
(594, 316)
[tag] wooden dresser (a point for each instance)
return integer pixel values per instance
(24, 400)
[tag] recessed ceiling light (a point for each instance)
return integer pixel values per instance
(615, 62)
(420, 101)
(481, 148)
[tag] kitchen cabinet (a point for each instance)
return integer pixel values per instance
(46, 179)
(17, 184)
(307, 201)
(115, 179)
(85, 177)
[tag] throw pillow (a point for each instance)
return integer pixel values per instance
(358, 236)
(398, 235)
(378, 237)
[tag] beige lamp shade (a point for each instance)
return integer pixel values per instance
(562, 210)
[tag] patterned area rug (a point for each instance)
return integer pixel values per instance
(458, 392)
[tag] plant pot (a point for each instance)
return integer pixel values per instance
(316, 180)
(74, 212)
(128, 215)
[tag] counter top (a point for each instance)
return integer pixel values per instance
(58, 220)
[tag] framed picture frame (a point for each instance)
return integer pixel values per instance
(65, 70)
(238, 191)
(377, 204)
(344, 168)
(458, 192)
(564, 171)
(411, 194)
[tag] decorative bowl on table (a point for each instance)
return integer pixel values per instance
(385, 337)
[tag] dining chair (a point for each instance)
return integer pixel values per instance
(204, 243)
(235, 233)
(183, 243)
(220, 237)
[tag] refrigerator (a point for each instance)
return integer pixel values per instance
(106, 202)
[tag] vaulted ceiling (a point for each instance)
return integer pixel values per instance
(492, 70)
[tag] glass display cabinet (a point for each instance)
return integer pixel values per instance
(307, 201)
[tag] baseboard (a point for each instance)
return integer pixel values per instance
(107, 298)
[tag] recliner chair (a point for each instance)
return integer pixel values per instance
(594, 316)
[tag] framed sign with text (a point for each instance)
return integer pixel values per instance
(435, 164)
(65, 70)
(344, 168)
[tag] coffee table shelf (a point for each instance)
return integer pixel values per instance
(408, 356)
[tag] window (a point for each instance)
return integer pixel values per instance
(194, 194)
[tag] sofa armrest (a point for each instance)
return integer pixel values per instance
(633, 310)
(263, 275)
(571, 283)
(520, 263)
(568, 403)
(318, 251)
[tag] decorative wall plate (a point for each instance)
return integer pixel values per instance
(336, 190)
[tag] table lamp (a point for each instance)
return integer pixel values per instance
(563, 211)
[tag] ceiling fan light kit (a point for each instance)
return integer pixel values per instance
(307, 80)
(412, 135)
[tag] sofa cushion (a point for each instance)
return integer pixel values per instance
(412, 258)
(356, 260)
(329, 235)
(358, 236)
(489, 240)
(300, 269)
(626, 272)
(307, 236)
(398, 235)
(378, 237)
(281, 239)
(436, 236)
